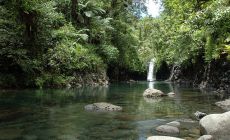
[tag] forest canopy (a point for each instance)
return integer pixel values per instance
(187, 29)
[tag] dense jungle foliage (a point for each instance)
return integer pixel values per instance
(187, 30)
(46, 43)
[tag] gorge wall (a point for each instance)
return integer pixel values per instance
(214, 75)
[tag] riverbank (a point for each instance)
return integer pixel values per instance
(214, 75)
(56, 81)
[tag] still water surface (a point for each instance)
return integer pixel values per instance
(60, 115)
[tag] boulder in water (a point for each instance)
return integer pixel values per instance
(168, 129)
(174, 123)
(206, 137)
(224, 104)
(163, 138)
(199, 115)
(217, 125)
(171, 94)
(153, 93)
(102, 107)
(131, 81)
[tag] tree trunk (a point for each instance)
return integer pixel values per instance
(113, 3)
(74, 7)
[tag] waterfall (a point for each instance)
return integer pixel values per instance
(151, 76)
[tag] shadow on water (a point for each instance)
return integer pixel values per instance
(60, 115)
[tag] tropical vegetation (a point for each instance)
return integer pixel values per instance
(46, 43)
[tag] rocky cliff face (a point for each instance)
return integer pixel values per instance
(214, 75)
(92, 79)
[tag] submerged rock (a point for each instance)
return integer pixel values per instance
(153, 93)
(174, 123)
(171, 94)
(224, 104)
(168, 129)
(217, 125)
(206, 137)
(163, 138)
(195, 131)
(199, 115)
(102, 107)
(186, 120)
(148, 124)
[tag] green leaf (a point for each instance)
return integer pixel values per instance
(89, 13)
(83, 36)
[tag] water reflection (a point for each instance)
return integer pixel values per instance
(151, 84)
(166, 87)
(152, 100)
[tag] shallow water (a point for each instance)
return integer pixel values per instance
(60, 115)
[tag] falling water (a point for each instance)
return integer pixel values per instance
(151, 76)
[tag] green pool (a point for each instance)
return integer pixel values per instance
(59, 114)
